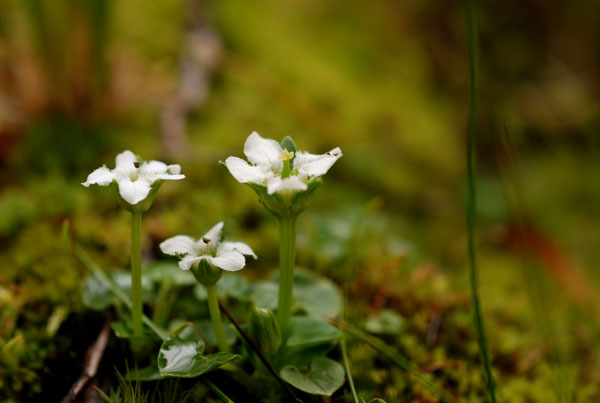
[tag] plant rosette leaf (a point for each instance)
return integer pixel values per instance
(313, 294)
(186, 358)
(323, 377)
(264, 294)
(310, 331)
(96, 295)
(316, 295)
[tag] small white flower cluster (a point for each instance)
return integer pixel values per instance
(266, 166)
(228, 256)
(280, 170)
(134, 177)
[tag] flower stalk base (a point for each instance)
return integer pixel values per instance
(287, 257)
(215, 317)
(136, 272)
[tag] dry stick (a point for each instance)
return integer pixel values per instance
(258, 352)
(92, 361)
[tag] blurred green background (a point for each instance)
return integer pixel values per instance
(186, 82)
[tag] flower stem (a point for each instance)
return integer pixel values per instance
(287, 257)
(215, 316)
(136, 272)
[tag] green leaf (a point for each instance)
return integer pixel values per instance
(316, 295)
(385, 321)
(124, 330)
(97, 295)
(150, 373)
(324, 376)
(264, 294)
(309, 331)
(186, 359)
(161, 271)
(207, 331)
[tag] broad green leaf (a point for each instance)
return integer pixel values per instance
(318, 297)
(313, 294)
(98, 296)
(186, 359)
(264, 295)
(385, 321)
(305, 356)
(161, 271)
(324, 376)
(310, 331)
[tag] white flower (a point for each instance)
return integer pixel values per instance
(269, 165)
(134, 177)
(226, 255)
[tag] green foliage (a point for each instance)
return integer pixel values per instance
(186, 358)
(323, 377)
(96, 295)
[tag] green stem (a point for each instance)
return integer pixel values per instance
(287, 257)
(472, 198)
(215, 317)
(347, 368)
(136, 272)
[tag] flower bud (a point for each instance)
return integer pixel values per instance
(206, 274)
(264, 330)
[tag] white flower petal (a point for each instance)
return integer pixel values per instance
(243, 172)
(213, 234)
(174, 169)
(316, 165)
(291, 183)
(133, 192)
(151, 169)
(188, 261)
(101, 176)
(178, 245)
(169, 177)
(125, 160)
(230, 261)
(262, 151)
(236, 246)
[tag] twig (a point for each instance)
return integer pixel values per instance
(92, 361)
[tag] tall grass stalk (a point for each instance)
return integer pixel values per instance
(472, 196)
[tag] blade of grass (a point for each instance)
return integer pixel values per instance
(347, 368)
(344, 350)
(392, 354)
(472, 197)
